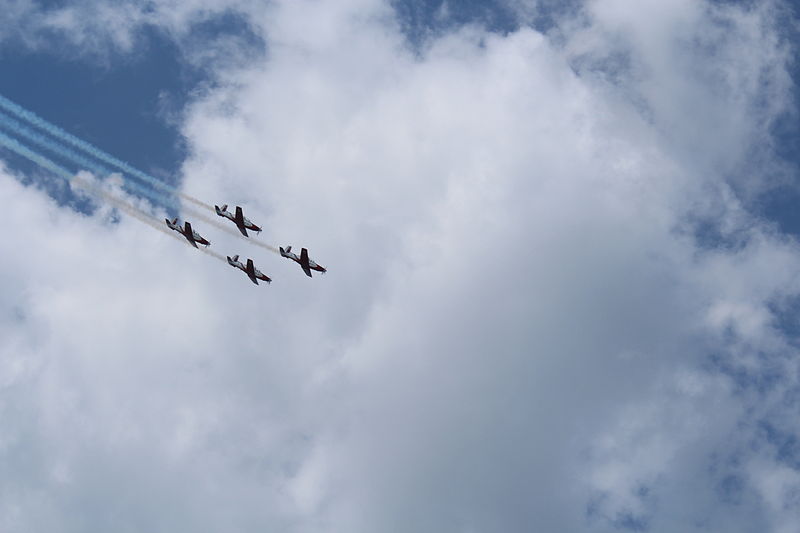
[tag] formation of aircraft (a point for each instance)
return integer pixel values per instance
(239, 219)
(244, 224)
(305, 263)
(252, 272)
(192, 236)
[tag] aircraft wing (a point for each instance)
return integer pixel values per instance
(189, 234)
(304, 262)
(251, 271)
(239, 220)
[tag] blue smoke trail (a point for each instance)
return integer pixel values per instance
(55, 131)
(78, 159)
(100, 170)
(22, 150)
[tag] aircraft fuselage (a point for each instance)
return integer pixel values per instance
(252, 272)
(306, 263)
(242, 222)
(188, 233)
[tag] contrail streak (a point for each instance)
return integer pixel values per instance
(24, 151)
(80, 160)
(55, 131)
(102, 171)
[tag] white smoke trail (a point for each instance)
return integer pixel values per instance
(42, 161)
(55, 131)
(98, 169)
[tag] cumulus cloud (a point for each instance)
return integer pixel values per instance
(212, 35)
(525, 324)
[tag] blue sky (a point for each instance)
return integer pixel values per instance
(92, 96)
(562, 252)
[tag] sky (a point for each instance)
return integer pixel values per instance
(562, 251)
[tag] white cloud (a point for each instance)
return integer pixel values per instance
(518, 329)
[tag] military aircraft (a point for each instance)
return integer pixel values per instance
(305, 263)
(252, 272)
(192, 236)
(242, 223)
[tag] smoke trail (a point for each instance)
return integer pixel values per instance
(24, 151)
(55, 131)
(78, 159)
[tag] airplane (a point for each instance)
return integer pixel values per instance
(252, 272)
(305, 263)
(192, 236)
(241, 222)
